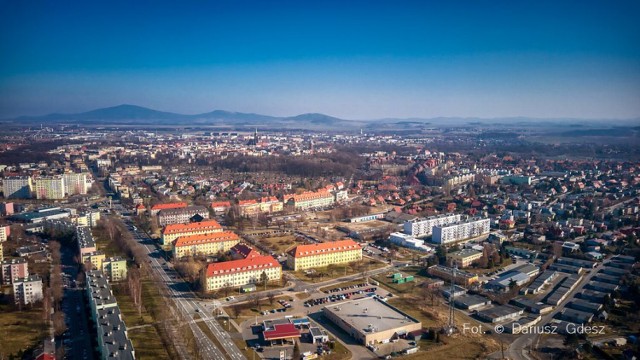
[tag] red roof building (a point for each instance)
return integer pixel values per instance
(281, 332)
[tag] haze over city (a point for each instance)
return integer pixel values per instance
(355, 60)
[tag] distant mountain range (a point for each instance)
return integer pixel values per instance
(138, 115)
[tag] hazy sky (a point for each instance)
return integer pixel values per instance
(351, 59)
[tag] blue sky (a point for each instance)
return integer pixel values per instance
(351, 59)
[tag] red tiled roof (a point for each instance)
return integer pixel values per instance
(245, 251)
(310, 195)
(281, 331)
(324, 248)
(169, 206)
(221, 204)
(205, 238)
(234, 266)
(180, 228)
(247, 202)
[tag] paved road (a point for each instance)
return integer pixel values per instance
(77, 338)
(519, 348)
(189, 305)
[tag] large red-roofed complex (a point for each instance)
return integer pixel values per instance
(204, 244)
(241, 272)
(323, 254)
(174, 231)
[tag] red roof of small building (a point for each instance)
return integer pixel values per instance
(181, 228)
(221, 204)
(169, 206)
(245, 251)
(205, 238)
(258, 262)
(281, 331)
(324, 248)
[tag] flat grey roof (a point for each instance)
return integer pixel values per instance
(499, 311)
(470, 300)
(367, 313)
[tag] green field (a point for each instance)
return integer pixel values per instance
(19, 330)
(142, 332)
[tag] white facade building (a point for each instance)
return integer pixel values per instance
(470, 228)
(424, 226)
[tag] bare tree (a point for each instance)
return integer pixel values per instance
(236, 309)
(135, 288)
(271, 296)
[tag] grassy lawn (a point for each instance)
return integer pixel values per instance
(221, 294)
(387, 282)
(19, 330)
(279, 244)
(339, 352)
(146, 340)
(321, 274)
(302, 296)
(250, 310)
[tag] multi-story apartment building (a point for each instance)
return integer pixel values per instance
(464, 258)
(248, 207)
(27, 290)
(424, 226)
(115, 268)
(323, 254)
(270, 204)
(96, 259)
(220, 207)
(113, 340)
(173, 231)
(50, 188)
(446, 234)
(446, 273)
(17, 187)
(155, 209)
(310, 200)
(76, 183)
(204, 244)
(5, 230)
(7, 209)
(241, 272)
(182, 215)
(13, 269)
(86, 242)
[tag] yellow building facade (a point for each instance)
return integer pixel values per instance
(323, 254)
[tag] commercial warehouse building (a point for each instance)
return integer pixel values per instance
(323, 254)
(446, 273)
(370, 321)
(500, 313)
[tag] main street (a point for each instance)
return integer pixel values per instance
(188, 304)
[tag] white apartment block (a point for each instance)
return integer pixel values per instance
(76, 183)
(18, 187)
(50, 188)
(467, 229)
(424, 226)
(27, 290)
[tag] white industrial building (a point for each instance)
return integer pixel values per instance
(409, 241)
